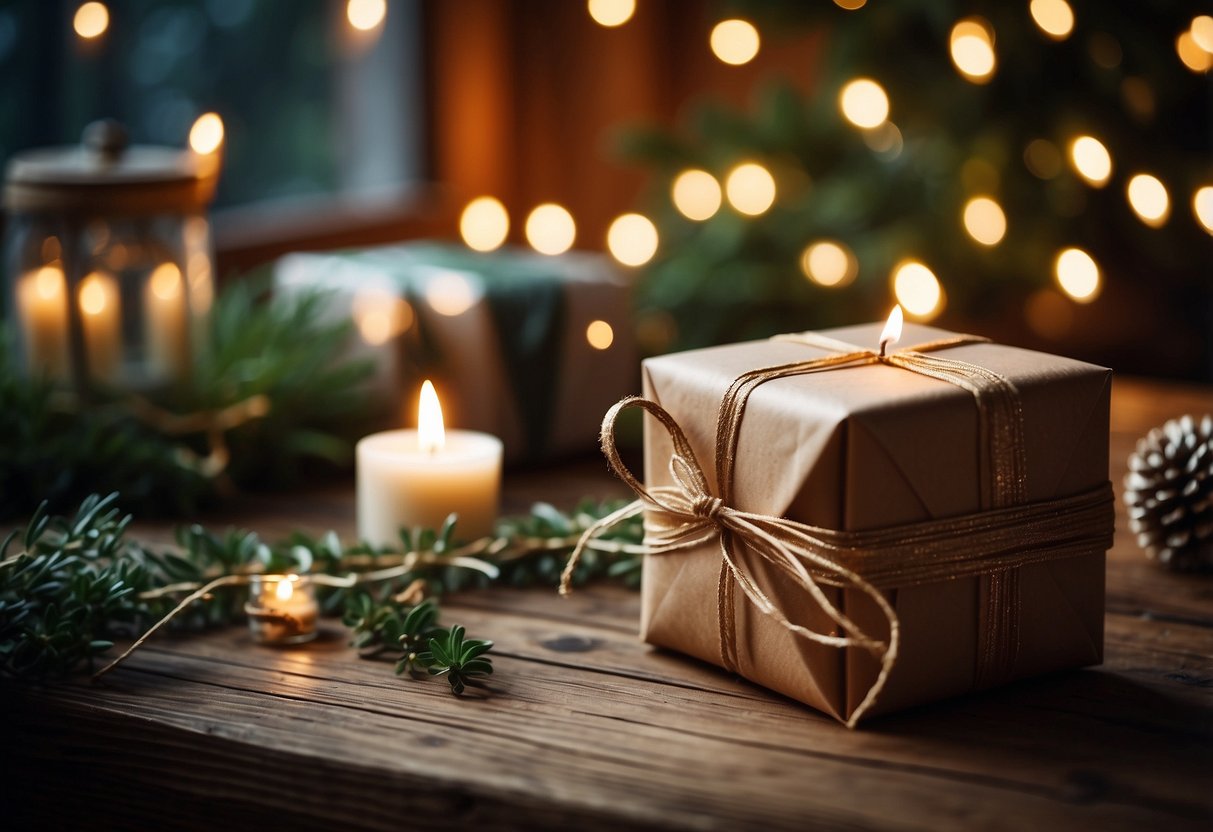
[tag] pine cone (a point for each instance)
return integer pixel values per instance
(1169, 494)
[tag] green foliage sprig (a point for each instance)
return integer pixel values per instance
(285, 356)
(71, 586)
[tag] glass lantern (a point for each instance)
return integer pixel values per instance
(108, 261)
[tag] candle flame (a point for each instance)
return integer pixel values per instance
(891, 333)
(430, 432)
(286, 588)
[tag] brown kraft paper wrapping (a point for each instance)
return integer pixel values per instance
(869, 447)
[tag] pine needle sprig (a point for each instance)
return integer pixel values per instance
(461, 660)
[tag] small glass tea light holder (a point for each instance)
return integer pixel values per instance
(282, 609)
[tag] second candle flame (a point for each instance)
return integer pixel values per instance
(891, 333)
(285, 590)
(431, 435)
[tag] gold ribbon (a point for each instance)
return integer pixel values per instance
(989, 543)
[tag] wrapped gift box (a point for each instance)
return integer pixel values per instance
(873, 447)
(505, 336)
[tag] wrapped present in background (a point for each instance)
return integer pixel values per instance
(528, 347)
(860, 451)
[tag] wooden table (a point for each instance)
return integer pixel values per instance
(584, 727)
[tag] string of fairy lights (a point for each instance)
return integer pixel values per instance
(751, 189)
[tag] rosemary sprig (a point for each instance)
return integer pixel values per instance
(71, 586)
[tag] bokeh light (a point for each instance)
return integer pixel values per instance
(1077, 274)
(735, 42)
(449, 293)
(985, 221)
(850, 5)
(696, 194)
(380, 315)
(550, 229)
(1149, 199)
(864, 103)
(1193, 56)
(1202, 206)
(207, 133)
(599, 335)
(484, 224)
(632, 239)
(1042, 158)
(972, 48)
(1202, 32)
(1049, 314)
(96, 293)
(91, 20)
(1054, 17)
(917, 290)
(1091, 160)
(365, 15)
(165, 281)
(611, 13)
(829, 263)
(750, 188)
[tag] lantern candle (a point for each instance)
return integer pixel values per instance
(101, 314)
(281, 609)
(415, 478)
(42, 307)
(167, 328)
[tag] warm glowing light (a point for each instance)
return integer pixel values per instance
(285, 588)
(696, 194)
(599, 335)
(864, 103)
(1149, 199)
(850, 5)
(972, 47)
(1054, 17)
(1202, 206)
(166, 281)
(1189, 51)
(550, 229)
(985, 221)
(611, 13)
(484, 224)
(1202, 32)
(365, 15)
(91, 20)
(829, 263)
(1077, 274)
(917, 289)
(207, 133)
(94, 294)
(380, 316)
(632, 239)
(891, 333)
(1091, 159)
(1049, 314)
(49, 283)
(449, 293)
(734, 41)
(750, 188)
(431, 435)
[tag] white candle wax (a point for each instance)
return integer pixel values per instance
(167, 329)
(403, 485)
(42, 308)
(101, 315)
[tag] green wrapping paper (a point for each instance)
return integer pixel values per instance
(503, 335)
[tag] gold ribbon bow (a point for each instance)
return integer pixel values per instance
(991, 544)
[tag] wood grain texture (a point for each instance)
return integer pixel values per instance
(584, 727)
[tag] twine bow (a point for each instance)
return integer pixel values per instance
(990, 544)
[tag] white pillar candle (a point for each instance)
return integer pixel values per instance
(167, 328)
(41, 299)
(101, 316)
(415, 478)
